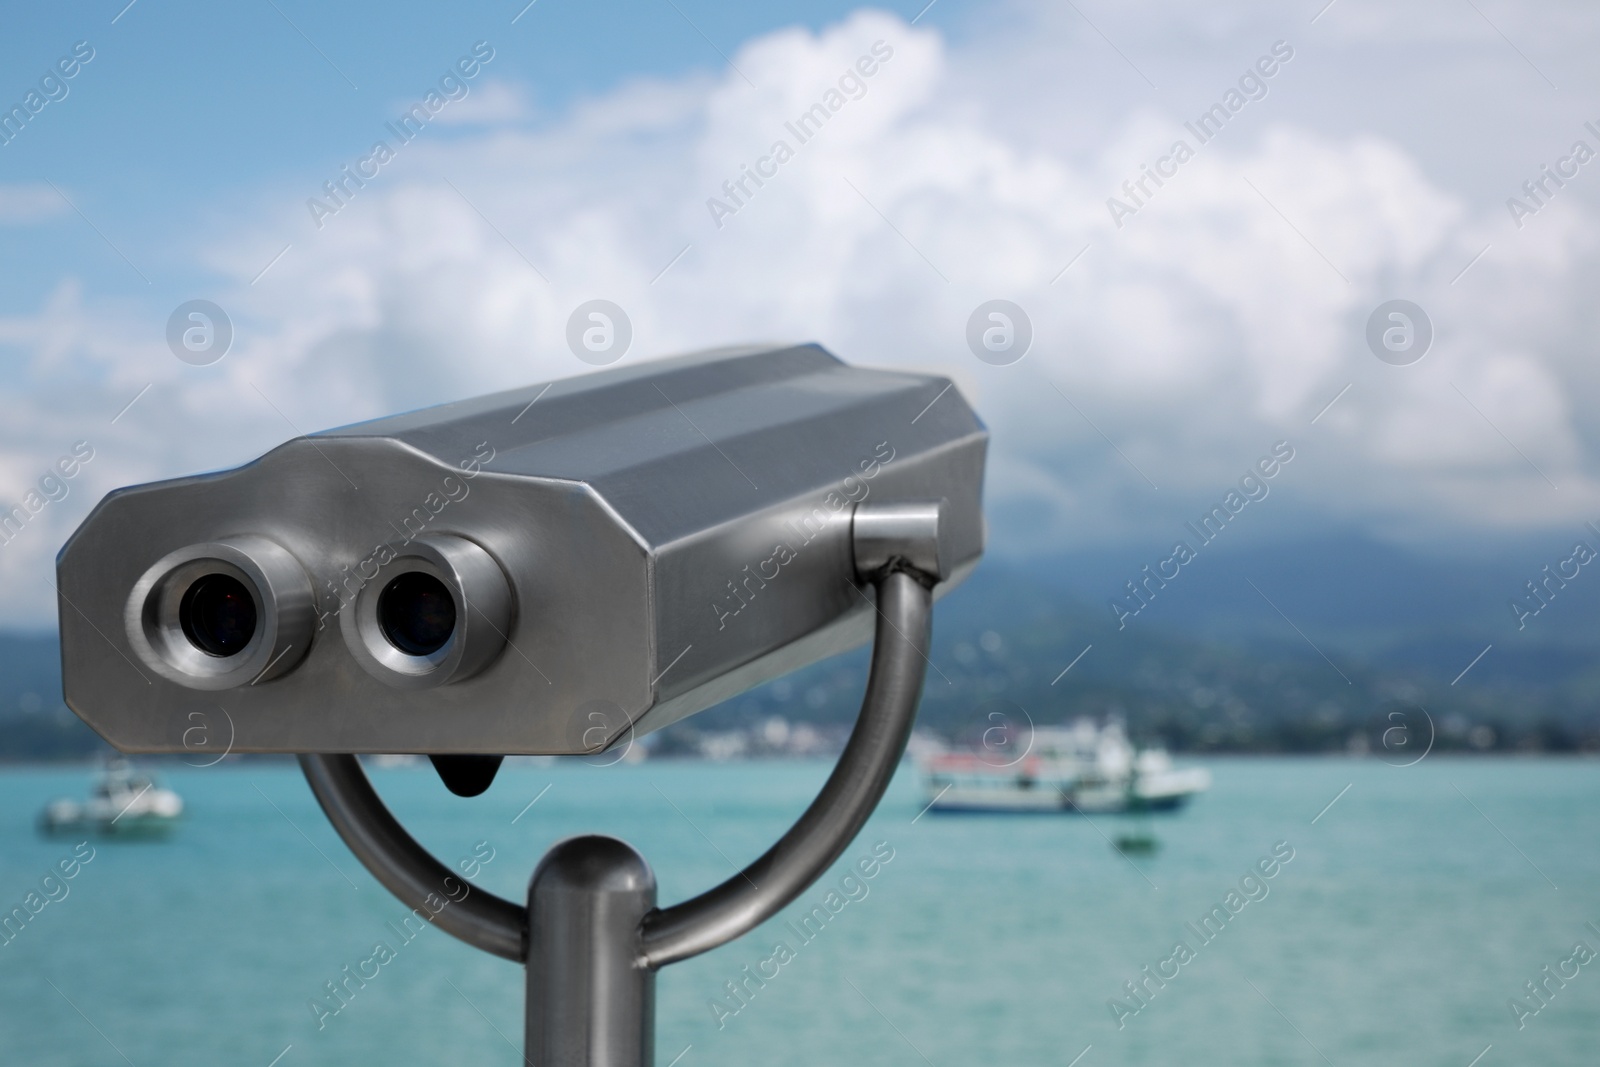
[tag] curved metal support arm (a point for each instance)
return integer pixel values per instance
(404, 867)
(761, 890)
(720, 914)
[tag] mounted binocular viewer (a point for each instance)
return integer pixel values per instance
(545, 571)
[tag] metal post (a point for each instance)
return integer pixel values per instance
(591, 997)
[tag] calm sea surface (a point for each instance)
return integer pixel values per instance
(1411, 912)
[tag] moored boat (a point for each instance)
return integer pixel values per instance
(122, 803)
(1079, 768)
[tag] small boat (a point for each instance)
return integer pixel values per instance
(123, 803)
(1140, 842)
(1079, 768)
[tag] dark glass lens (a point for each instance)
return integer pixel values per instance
(417, 613)
(218, 615)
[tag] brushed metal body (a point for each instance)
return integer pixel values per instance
(672, 534)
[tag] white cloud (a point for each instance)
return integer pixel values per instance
(29, 202)
(1220, 318)
(491, 103)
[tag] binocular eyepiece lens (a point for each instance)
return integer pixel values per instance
(412, 630)
(221, 614)
(417, 613)
(218, 615)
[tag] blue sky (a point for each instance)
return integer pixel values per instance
(1176, 339)
(188, 105)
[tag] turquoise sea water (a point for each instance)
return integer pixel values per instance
(1412, 911)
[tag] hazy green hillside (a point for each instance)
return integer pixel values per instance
(34, 723)
(1003, 639)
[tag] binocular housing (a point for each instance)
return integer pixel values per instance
(540, 571)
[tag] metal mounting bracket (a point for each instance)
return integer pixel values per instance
(591, 936)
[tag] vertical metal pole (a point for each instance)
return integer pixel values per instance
(591, 998)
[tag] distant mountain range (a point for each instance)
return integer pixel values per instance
(34, 723)
(1307, 644)
(1385, 606)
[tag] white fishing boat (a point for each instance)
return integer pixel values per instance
(1078, 768)
(122, 803)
